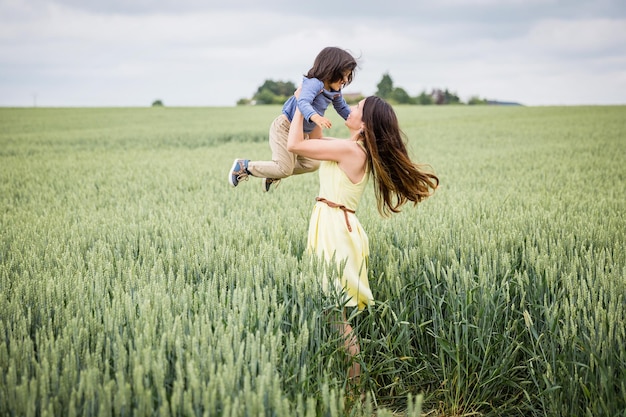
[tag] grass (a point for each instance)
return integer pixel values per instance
(135, 281)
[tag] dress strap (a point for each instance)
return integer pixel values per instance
(345, 209)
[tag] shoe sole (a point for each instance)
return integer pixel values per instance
(230, 173)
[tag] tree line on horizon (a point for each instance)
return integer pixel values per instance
(276, 92)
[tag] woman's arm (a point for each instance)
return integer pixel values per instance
(296, 132)
(325, 149)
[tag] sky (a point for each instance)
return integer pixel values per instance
(120, 53)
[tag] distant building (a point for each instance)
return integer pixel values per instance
(502, 103)
(352, 97)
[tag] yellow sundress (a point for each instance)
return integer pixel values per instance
(335, 231)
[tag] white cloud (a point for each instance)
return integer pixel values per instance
(483, 3)
(579, 35)
(209, 56)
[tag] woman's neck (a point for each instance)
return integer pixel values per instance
(355, 135)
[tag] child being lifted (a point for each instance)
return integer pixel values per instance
(332, 70)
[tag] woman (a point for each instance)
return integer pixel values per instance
(375, 149)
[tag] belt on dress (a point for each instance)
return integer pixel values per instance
(345, 209)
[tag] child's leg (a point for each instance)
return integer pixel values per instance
(304, 165)
(283, 161)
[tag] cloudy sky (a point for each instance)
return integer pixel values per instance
(210, 53)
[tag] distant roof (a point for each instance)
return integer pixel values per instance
(503, 103)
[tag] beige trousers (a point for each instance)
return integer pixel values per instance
(283, 163)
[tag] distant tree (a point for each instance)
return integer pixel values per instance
(476, 100)
(400, 96)
(438, 96)
(276, 92)
(385, 87)
(451, 98)
(266, 96)
(271, 92)
(445, 97)
(279, 88)
(424, 99)
(157, 103)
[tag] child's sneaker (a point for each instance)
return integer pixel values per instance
(238, 172)
(267, 183)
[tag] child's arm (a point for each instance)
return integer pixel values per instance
(311, 88)
(341, 107)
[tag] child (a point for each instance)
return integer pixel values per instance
(332, 70)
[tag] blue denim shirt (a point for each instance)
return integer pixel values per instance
(315, 99)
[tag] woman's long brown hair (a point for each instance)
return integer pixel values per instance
(397, 179)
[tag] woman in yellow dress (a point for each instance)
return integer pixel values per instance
(375, 149)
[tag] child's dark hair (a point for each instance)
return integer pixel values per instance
(330, 65)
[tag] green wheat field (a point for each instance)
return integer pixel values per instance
(136, 282)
